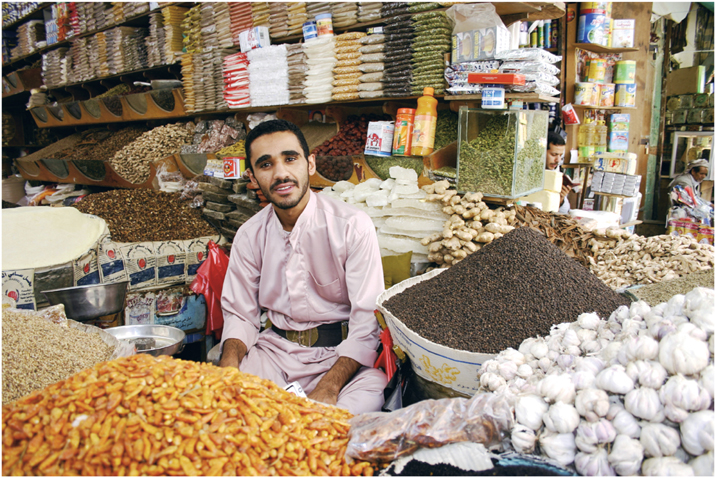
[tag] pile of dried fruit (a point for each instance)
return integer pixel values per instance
(138, 215)
(142, 415)
(351, 137)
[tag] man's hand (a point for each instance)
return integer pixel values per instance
(333, 381)
(233, 353)
(563, 193)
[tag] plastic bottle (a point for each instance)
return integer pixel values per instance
(586, 141)
(426, 117)
(602, 134)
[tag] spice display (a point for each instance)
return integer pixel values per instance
(654, 294)
(350, 138)
(101, 145)
(627, 395)
(154, 421)
(506, 156)
(369, 11)
(321, 60)
(398, 38)
(215, 135)
(297, 67)
(347, 68)
(431, 41)
(114, 105)
(132, 161)
(236, 149)
(39, 349)
(520, 285)
(445, 129)
(381, 164)
(140, 215)
(625, 259)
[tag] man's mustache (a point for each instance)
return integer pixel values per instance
(283, 181)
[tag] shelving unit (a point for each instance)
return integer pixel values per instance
(603, 49)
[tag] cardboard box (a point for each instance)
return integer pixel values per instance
(623, 33)
(496, 78)
(618, 141)
(686, 80)
(481, 44)
(624, 163)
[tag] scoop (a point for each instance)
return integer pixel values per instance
(160, 84)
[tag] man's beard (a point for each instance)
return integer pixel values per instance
(287, 204)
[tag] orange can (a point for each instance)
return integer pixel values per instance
(403, 135)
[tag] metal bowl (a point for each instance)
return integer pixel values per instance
(151, 339)
(88, 302)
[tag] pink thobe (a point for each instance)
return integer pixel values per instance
(326, 270)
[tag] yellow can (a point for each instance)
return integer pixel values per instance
(597, 70)
(583, 94)
(625, 95)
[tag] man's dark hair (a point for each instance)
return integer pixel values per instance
(270, 127)
(555, 139)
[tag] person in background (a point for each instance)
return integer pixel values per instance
(695, 173)
(555, 154)
(311, 266)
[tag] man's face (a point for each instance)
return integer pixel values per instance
(280, 169)
(700, 173)
(554, 155)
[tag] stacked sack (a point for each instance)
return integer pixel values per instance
(240, 19)
(155, 40)
(369, 11)
(346, 73)
(320, 60)
(433, 38)
(344, 14)
(268, 75)
(372, 52)
(297, 16)
(397, 53)
(236, 81)
(278, 20)
(456, 75)
(260, 14)
(217, 206)
(317, 8)
(538, 67)
(297, 68)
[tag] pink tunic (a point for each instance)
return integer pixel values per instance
(326, 270)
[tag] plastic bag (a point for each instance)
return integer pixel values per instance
(169, 182)
(347, 69)
(372, 57)
(528, 54)
(370, 94)
(345, 96)
(383, 437)
(354, 62)
(209, 282)
(375, 48)
(370, 67)
(372, 39)
(370, 86)
(473, 16)
(350, 36)
(371, 77)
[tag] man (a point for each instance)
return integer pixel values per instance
(555, 153)
(695, 173)
(312, 266)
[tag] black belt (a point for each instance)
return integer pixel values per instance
(327, 335)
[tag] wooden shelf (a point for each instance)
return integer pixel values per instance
(593, 47)
(611, 195)
(526, 97)
(604, 107)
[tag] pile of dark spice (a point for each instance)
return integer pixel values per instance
(102, 145)
(138, 215)
(514, 288)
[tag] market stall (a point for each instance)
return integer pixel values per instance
(516, 340)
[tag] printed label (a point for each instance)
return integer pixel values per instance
(111, 263)
(19, 286)
(141, 264)
(196, 253)
(424, 131)
(171, 262)
(86, 269)
(140, 308)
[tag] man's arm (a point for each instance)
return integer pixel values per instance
(233, 353)
(334, 380)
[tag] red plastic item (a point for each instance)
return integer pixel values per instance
(496, 78)
(386, 359)
(209, 282)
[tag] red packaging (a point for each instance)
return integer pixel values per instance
(496, 78)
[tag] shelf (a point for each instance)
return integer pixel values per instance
(33, 15)
(115, 76)
(611, 195)
(526, 97)
(604, 107)
(593, 47)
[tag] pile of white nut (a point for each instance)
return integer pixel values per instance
(629, 395)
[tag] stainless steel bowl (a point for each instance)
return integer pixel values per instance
(88, 302)
(151, 339)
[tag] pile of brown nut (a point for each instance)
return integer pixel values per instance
(132, 161)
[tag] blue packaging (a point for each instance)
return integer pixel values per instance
(591, 28)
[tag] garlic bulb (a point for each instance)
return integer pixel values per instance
(491, 366)
(561, 418)
(592, 434)
(524, 371)
(692, 330)
(610, 353)
(592, 403)
(570, 338)
(526, 346)
(593, 464)
(586, 335)
(557, 388)
(706, 379)
(594, 365)
(614, 379)
(703, 465)
(589, 321)
(711, 345)
(666, 466)
(558, 446)
(679, 352)
(659, 440)
(625, 424)
(582, 380)
(507, 370)
(573, 350)
(626, 456)
(539, 349)
(643, 402)
(681, 395)
(639, 309)
(512, 355)
(662, 328)
(491, 381)
(699, 308)
(566, 361)
(523, 439)
(620, 315)
(529, 410)
(674, 306)
(545, 364)
(649, 373)
(697, 432)
(638, 348)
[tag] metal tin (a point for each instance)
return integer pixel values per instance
(625, 95)
(309, 30)
(591, 28)
(151, 339)
(597, 70)
(583, 94)
(606, 95)
(324, 24)
(625, 72)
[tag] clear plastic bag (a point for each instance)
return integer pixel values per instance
(528, 54)
(347, 82)
(372, 39)
(347, 48)
(347, 69)
(370, 94)
(528, 67)
(348, 76)
(383, 437)
(369, 17)
(370, 86)
(345, 89)
(534, 87)
(376, 48)
(346, 96)
(350, 36)
(371, 77)
(354, 62)
(370, 67)
(372, 57)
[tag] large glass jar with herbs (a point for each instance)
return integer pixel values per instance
(501, 153)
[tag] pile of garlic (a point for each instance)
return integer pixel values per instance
(628, 395)
(622, 259)
(471, 224)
